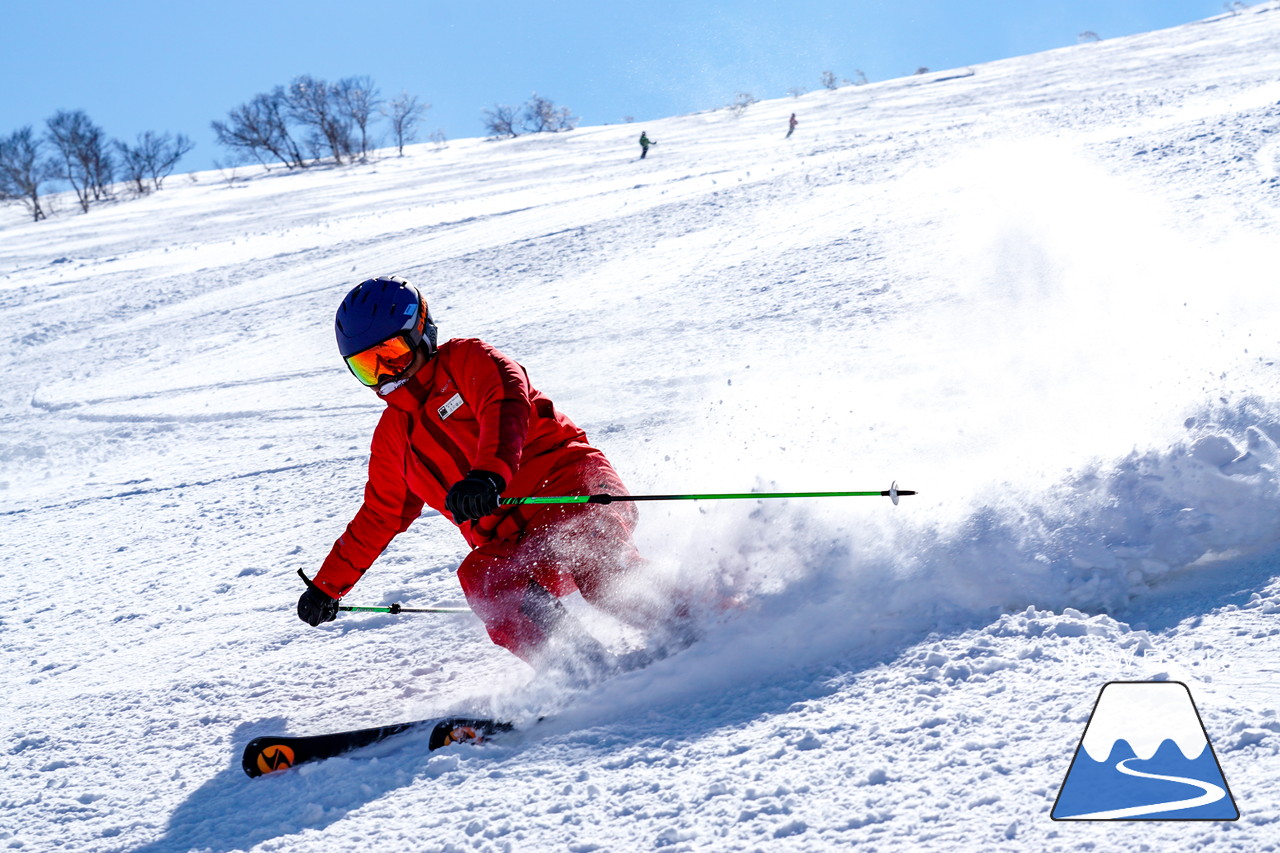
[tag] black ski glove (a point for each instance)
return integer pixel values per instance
(474, 496)
(316, 608)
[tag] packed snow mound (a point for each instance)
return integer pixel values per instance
(812, 585)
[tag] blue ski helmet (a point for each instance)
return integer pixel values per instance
(377, 310)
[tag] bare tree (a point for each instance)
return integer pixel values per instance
(537, 114)
(161, 153)
(500, 121)
(101, 165)
(540, 115)
(23, 169)
(357, 100)
(154, 157)
(84, 161)
(740, 103)
(828, 80)
(261, 127)
(228, 167)
(313, 103)
(796, 91)
(1087, 36)
(134, 165)
(404, 111)
(66, 131)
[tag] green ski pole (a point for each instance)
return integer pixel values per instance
(892, 493)
(394, 609)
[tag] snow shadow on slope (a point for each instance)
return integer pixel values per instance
(231, 812)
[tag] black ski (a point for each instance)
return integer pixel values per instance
(264, 755)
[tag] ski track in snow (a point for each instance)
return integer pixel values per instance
(1042, 294)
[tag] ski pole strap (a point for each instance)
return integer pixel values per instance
(893, 493)
(310, 583)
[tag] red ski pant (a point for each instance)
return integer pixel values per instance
(563, 548)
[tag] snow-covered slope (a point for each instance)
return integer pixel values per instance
(1042, 292)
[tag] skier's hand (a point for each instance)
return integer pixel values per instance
(474, 496)
(316, 608)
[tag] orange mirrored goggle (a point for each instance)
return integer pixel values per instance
(385, 361)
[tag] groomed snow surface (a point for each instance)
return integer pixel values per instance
(1043, 292)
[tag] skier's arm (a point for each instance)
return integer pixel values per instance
(388, 509)
(499, 393)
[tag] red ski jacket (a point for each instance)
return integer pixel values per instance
(469, 407)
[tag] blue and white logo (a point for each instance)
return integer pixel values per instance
(1145, 755)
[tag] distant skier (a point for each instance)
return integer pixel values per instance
(463, 424)
(645, 142)
(792, 126)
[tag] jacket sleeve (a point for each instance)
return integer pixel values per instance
(388, 509)
(498, 390)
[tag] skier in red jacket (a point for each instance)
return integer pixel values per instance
(462, 426)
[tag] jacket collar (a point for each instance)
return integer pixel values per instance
(410, 396)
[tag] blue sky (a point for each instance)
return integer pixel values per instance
(137, 65)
